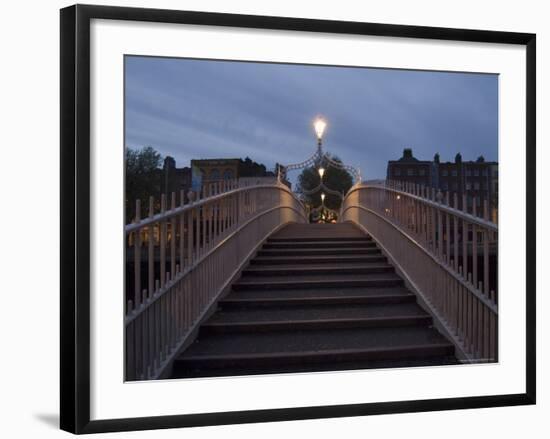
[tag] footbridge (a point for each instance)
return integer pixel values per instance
(236, 281)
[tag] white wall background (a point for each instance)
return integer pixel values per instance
(29, 186)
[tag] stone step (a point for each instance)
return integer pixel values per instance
(337, 251)
(318, 281)
(316, 296)
(345, 230)
(316, 312)
(343, 365)
(300, 325)
(315, 317)
(287, 348)
(363, 238)
(323, 259)
(312, 269)
(319, 244)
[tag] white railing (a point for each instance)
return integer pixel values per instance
(181, 259)
(447, 254)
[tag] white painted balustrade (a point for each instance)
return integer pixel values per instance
(446, 248)
(182, 258)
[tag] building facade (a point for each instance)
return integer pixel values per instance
(211, 170)
(175, 179)
(204, 171)
(478, 179)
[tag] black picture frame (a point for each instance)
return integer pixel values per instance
(75, 217)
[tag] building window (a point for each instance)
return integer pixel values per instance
(484, 173)
(484, 185)
(422, 171)
(476, 172)
(228, 174)
(454, 173)
(215, 174)
(455, 186)
(495, 173)
(397, 172)
(444, 173)
(410, 171)
(468, 172)
(476, 186)
(468, 186)
(445, 186)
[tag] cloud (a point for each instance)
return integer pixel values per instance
(190, 109)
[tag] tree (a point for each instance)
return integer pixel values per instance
(143, 178)
(334, 178)
(249, 168)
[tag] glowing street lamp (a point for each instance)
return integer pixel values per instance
(321, 172)
(319, 125)
(323, 198)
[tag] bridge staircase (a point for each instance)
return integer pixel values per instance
(315, 297)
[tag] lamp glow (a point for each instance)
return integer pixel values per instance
(321, 172)
(319, 125)
(323, 198)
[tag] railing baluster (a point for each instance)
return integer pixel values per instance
(173, 238)
(130, 348)
(203, 230)
(151, 252)
(486, 251)
(440, 235)
(191, 235)
(474, 244)
(137, 257)
(162, 242)
(144, 343)
(182, 235)
(455, 227)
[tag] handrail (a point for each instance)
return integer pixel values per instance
(180, 260)
(451, 210)
(448, 253)
(194, 204)
(158, 294)
(487, 302)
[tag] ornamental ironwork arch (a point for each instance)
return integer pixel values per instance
(320, 159)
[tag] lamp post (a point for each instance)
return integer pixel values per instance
(319, 125)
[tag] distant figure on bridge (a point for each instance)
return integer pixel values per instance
(323, 216)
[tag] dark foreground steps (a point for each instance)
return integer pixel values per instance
(320, 259)
(316, 349)
(319, 316)
(318, 281)
(316, 297)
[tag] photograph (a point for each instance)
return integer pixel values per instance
(286, 218)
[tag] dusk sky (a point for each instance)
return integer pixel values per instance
(215, 109)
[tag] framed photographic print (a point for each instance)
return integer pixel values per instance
(268, 218)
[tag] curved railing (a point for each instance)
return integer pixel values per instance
(445, 250)
(182, 259)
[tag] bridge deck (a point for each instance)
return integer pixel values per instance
(314, 299)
